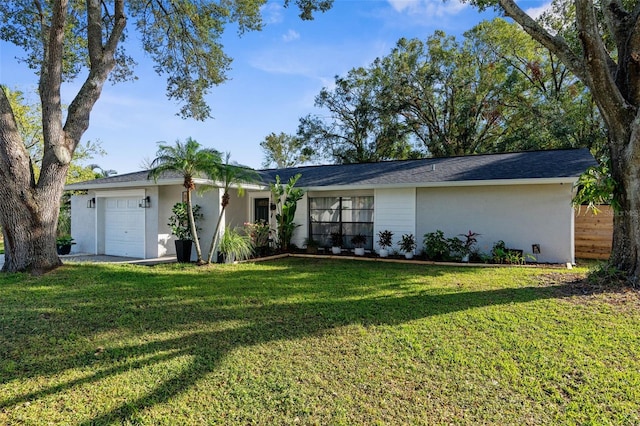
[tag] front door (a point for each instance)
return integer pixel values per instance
(261, 210)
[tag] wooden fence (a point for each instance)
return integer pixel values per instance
(593, 233)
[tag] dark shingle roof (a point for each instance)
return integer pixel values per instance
(519, 165)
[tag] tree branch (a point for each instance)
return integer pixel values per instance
(556, 44)
(94, 31)
(601, 81)
(80, 108)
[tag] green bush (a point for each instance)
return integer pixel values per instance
(235, 246)
(436, 246)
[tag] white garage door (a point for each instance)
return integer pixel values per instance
(124, 227)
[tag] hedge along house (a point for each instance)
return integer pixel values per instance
(521, 198)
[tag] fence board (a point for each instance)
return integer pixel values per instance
(593, 233)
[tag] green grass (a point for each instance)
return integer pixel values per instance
(1, 247)
(301, 341)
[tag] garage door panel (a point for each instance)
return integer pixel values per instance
(124, 227)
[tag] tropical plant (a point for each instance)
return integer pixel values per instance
(436, 246)
(179, 220)
(100, 172)
(286, 198)
(260, 232)
(235, 246)
(499, 252)
(336, 239)
(63, 244)
(470, 240)
(227, 175)
(385, 239)
(456, 249)
(189, 159)
(64, 240)
(359, 240)
(596, 187)
(407, 243)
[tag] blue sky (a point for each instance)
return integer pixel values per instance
(275, 75)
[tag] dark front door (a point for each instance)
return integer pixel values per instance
(261, 209)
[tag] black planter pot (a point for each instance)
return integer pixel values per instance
(63, 249)
(183, 250)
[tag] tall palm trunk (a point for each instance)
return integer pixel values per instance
(216, 237)
(194, 228)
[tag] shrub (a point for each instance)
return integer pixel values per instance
(499, 252)
(436, 246)
(235, 246)
(456, 250)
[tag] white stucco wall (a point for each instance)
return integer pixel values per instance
(83, 225)
(237, 212)
(395, 210)
(208, 202)
(301, 218)
(151, 217)
(520, 215)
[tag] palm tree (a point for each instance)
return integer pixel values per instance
(228, 175)
(100, 172)
(188, 159)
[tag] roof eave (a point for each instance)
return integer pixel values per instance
(465, 183)
(161, 182)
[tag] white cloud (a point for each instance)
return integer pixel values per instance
(291, 35)
(535, 12)
(272, 13)
(427, 8)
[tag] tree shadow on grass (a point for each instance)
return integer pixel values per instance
(260, 323)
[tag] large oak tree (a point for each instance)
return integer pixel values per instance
(600, 44)
(66, 39)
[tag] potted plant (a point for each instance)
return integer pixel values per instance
(179, 224)
(468, 243)
(385, 241)
(63, 244)
(359, 241)
(407, 244)
(311, 245)
(336, 242)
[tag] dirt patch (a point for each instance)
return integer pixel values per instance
(580, 288)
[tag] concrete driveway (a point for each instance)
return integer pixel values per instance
(97, 258)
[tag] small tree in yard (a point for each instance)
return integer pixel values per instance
(228, 175)
(189, 159)
(286, 198)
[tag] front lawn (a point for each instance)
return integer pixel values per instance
(304, 341)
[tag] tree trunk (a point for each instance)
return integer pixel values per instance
(215, 238)
(194, 228)
(625, 165)
(29, 218)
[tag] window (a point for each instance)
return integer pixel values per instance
(349, 215)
